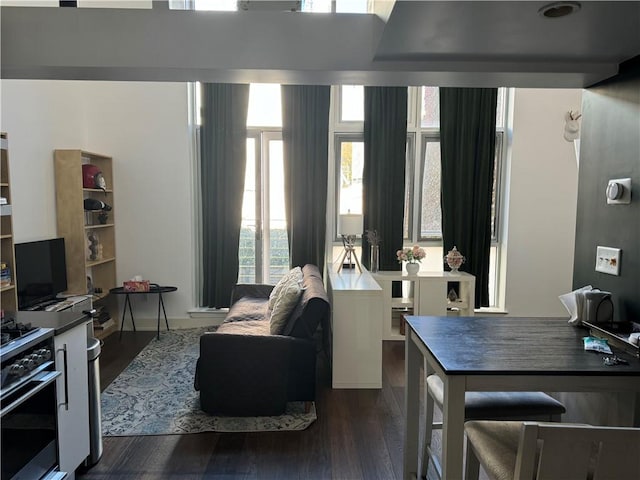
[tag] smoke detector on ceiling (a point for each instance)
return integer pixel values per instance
(269, 6)
(559, 9)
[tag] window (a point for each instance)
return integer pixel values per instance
(430, 212)
(429, 166)
(264, 247)
(217, 5)
(350, 148)
(352, 103)
(423, 216)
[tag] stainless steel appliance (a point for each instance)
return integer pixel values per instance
(28, 407)
(599, 307)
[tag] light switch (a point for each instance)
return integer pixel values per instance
(608, 260)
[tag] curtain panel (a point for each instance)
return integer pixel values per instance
(305, 135)
(383, 189)
(467, 143)
(223, 160)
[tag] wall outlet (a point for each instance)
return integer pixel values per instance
(608, 260)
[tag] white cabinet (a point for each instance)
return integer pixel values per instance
(427, 295)
(356, 304)
(73, 397)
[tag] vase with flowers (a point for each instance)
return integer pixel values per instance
(413, 256)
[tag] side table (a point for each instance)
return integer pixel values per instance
(154, 288)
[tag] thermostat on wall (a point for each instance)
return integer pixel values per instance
(619, 191)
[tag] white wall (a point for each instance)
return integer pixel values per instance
(39, 116)
(144, 127)
(542, 179)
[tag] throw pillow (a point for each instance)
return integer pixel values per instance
(284, 305)
(293, 276)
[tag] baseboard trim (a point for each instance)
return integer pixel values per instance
(151, 324)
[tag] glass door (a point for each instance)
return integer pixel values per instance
(264, 249)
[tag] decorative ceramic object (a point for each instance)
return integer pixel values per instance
(454, 259)
(412, 268)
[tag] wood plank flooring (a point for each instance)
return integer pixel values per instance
(358, 435)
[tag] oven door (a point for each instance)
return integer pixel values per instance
(28, 423)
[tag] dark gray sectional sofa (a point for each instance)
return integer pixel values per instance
(244, 370)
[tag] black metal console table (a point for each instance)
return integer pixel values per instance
(154, 289)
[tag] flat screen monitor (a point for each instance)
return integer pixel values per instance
(41, 272)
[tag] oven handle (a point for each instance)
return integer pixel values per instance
(66, 377)
(44, 380)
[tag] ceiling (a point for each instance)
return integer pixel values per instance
(457, 43)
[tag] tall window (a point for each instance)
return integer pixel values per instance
(264, 248)
(423, 215)
(425, 193)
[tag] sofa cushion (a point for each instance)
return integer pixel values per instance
(284, 304)
(247, 308)
(249, 327)
(293, 276)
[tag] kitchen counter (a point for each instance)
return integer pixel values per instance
(59, 321)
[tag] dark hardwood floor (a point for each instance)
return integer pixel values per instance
(358, 434)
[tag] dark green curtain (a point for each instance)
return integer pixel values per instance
(223, 154)
(467, 145)
(385, 140)
(305, 135)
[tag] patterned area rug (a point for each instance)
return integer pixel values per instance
(154, 395)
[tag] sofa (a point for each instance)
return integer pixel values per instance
(247, 369)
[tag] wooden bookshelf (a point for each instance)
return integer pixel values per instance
(76, 225)
(8, 290)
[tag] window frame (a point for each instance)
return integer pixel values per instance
(339, 138)
(262, 240)
(410, 186)
(432, 135)
(345, 125)
(426, 137)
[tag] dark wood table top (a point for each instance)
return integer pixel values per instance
(513, 346)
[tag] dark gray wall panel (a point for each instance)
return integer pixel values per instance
(610, 148)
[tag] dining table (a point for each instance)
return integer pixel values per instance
(500, 354)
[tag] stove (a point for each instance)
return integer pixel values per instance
(28, 401)
(11, 330)
(23, 351)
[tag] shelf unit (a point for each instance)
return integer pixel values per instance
(427, 295)
(356, 325)
(76, 225)
(8, 291)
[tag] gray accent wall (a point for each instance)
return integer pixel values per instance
(610, 149)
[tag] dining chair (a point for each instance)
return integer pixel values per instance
(485, 406)
(538, 451)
